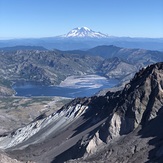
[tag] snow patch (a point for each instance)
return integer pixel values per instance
(81, 32)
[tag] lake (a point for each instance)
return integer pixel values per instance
(72, 87)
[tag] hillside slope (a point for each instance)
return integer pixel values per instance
(121, 126)
(52, 67)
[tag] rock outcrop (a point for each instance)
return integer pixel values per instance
(134, 111)
(140, 102)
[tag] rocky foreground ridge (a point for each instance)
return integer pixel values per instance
(123, 126)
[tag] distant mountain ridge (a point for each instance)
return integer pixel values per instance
(15, 48)
(126, 54)
(85, 38)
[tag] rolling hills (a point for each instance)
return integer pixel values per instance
(52, 67)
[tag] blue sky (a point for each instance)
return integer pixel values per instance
(46, 18)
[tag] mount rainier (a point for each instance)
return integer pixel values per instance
(85, 38)
(84, 32)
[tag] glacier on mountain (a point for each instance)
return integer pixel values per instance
(84, 32)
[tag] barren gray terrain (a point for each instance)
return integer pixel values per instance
(122, 126)
(117, 125)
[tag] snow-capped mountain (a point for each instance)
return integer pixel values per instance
(84, 32)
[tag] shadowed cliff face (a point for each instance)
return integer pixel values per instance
(136, 116)
(136, 106)
(118, 127)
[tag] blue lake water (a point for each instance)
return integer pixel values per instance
(85, 90)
